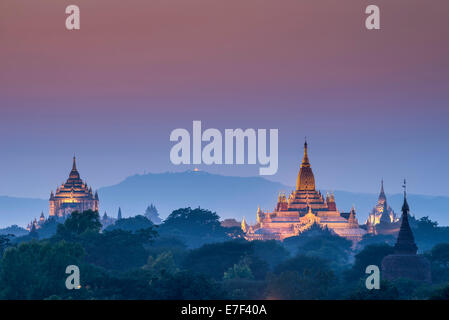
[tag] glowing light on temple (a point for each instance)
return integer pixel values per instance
(302, 208)
(73, 195)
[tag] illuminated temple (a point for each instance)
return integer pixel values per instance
(73, 195)
(382, 219)
(298, 211)
(382, 211)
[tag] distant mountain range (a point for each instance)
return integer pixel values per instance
(20, 211)
(230, 197)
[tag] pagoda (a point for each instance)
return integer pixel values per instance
(302, 208)
(405, 263)
(382, 211)
(36, 224)
(73, 195)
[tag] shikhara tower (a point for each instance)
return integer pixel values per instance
(73, 195)
(382, 212)
(301, 209)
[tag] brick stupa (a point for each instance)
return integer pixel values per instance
(405, 263)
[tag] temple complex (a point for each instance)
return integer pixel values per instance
(152, 214)
(107, 221)
(405, 263)
(73, 195)
(37, 224)
(302, 208)
(382, 219)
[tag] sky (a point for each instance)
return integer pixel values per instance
(373, 104)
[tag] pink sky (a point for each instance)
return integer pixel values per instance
(113, 91)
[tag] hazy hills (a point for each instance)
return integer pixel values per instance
(20, 211)
(228, 196)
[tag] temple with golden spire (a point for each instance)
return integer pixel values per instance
(304, 207)
(73, 195)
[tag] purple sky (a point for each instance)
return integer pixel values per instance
(373, 104)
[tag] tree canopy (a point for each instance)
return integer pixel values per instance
(80, 222)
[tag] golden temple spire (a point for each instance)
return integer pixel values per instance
(74, 175)
(306, 180)
(244, 225)
(305, 159)
(258, 215)
(352, 220)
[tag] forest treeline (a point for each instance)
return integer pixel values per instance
(192, 256)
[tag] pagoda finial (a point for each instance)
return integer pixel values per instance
(352, 220)
(74, 163)
(405, 205)
(382, 192)
(258, 215)
(244, 226)
(74, 174)
(305, 160)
